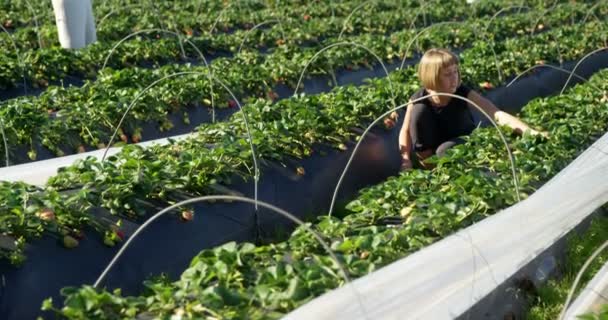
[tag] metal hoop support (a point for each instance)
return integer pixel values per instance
(479, 35)
(503, 10)
(201, 55)
(211, 77)
(31, 8)
(578, 278)
(351, 14)
(219, 16)
(504, 140)
(552, 67)
(347, 44)
(21, 64)
(113, 11)
(259, 25)
(577, 64)
(179, 38)
(5, 142)
(280, 211)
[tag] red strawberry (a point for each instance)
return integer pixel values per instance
(307, 17)
(120, 234)
(486, 85)
(46, 214)
(232, 103)
(272, 95)
(300, 171)
(136, 137)
(389, 123)
(187, 215)
(69, 242)
(79, 234)
(364, 255)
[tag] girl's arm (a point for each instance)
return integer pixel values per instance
(405, 141)
(501, 117)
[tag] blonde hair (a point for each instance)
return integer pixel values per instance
(431, 64)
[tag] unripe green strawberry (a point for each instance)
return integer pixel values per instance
(69, 242)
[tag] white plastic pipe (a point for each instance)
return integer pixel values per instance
(75, 23)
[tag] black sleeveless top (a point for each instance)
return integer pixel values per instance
(455, 118)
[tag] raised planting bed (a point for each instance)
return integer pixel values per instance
(88, 115)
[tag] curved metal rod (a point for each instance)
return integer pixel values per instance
(578, 278)
(113, 11)
(211, 77)
(552, 67)
(503, 10)
(201, 55)
(577, 64)
(21, 64)
(390, 83)
(219, 16)
(542, 15)
(352, 156)
(259, 25)
(31, 8)
(5, 142)
(407, 49)
(423, 10)
(419, 11)
(351, 14)
(479, 35)
(271, 207)
(475, 250)
(331, 7)
(179, 38)
(590, 11)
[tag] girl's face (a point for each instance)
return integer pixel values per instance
(449, 79)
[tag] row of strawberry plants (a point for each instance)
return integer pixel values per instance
(314, 19)
(548, 300)
(289, 128)
(236, 281)
(249, 73)
(52, 64)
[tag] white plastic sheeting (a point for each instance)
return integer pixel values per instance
(592, 297)
(447, 278)
(75, 23)
(37, 173)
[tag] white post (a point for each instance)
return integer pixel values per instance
(75, 23)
